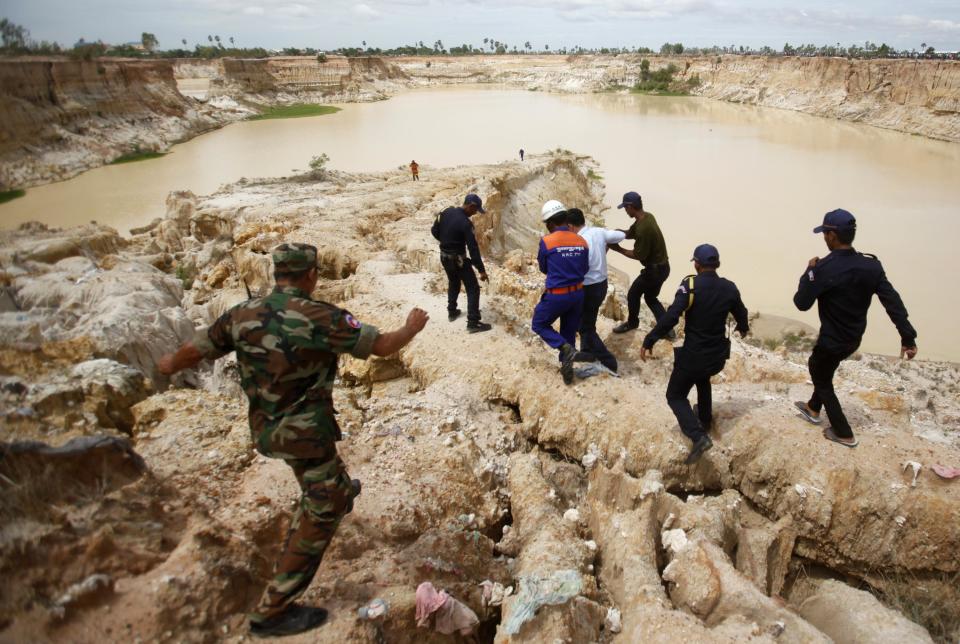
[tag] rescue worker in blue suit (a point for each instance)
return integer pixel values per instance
(563, 257)
(843, 284)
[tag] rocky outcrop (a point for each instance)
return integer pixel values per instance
(60, 117)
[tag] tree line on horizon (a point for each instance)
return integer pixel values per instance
(15, 41)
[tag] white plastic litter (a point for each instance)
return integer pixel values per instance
(916, 470)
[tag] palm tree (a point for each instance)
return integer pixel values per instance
(231, 41)
(184, 41)
(210, 38)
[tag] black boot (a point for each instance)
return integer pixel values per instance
(296, 619)
(699, 449)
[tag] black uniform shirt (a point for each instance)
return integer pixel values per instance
(844, 283)
(454, 230)
(705, 342)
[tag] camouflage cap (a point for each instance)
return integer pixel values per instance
(294, 257)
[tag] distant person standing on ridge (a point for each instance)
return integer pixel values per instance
(594, 284)
(563, 257)
(843, 284)
(650, 250)
(415, 170)
(521, 154)
(287, 346)
(454, 230)
(705, 300)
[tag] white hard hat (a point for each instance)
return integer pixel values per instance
(551, 208)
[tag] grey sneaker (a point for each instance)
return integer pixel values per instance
(623, 328)
(478, 327)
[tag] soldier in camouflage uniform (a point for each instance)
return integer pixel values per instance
(287, 347)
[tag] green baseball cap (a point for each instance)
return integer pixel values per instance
(294, 257)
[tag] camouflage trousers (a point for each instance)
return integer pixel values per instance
(327, 497)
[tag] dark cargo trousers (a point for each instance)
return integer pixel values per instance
(457, 272)
(647, 286)
(823, 364)
(682, 380)
(327, 497)
(590, 342)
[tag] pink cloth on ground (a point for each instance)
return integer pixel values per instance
(429, 600)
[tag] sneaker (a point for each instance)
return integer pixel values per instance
(623, 328)
(356, 487)
(699, 449)
(672, 334)
(567, 356)
(806, 413)
(453, 315)
(296, 619)
(479, 327)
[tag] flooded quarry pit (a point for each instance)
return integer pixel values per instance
(135, 506)
(753, 181)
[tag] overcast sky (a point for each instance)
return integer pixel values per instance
(328, 24)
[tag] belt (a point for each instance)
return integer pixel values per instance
(563, 290)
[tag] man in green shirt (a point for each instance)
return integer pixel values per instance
(651, 251)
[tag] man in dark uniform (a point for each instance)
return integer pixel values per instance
(705, 299)
(454, 230)
(844, 283)
(287, 347)
(650, 250)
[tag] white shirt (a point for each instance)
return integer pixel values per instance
(597, 239)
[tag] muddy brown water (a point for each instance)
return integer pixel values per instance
(752, 181)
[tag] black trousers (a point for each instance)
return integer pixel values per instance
(647, 285)
(823, 364)
(682, 380)
(593, 297)
(456, 275)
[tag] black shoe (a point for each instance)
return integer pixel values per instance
(478, 327)
(698, 449)
(453, 315)
(356, 487)
(623, 328)
(296, 619)
(672, 334)
(567, 356)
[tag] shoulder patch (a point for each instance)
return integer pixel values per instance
(871, 256)
(352, 321)
(810, 275)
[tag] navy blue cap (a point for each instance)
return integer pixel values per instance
(837, 220)
(706, 255)
(631, 198)
(475, 200)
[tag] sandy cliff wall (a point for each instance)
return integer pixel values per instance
(299, 78)
(60, 117)
(913, 96)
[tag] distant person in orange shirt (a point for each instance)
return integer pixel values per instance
(415, 170)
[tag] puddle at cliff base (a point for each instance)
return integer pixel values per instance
(752, 181)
